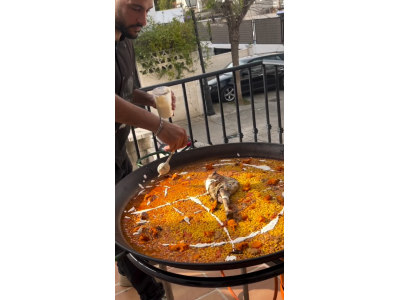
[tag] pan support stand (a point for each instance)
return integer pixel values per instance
(170, 295)
(167, 286)
(245, 286)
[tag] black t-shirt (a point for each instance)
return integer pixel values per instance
(126, 80)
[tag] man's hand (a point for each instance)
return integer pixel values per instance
(143, 98)
(173, 102)
(174, 136)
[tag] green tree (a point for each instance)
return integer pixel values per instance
(165, 4)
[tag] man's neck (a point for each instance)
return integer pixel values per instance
(117, 34)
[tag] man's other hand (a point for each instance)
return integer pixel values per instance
(174, 136)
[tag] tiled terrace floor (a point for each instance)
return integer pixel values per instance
(263, 290)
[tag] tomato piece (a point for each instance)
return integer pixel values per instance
(272, 181)
(246, 187)
(241, 246)
(209, 166)
(143, 238)
(255, 244)
(232, 224)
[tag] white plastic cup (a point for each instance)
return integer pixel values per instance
(163, 98)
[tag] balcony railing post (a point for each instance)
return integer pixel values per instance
(240, 134)
(135, 141)
(268, 124)
(188, 114)
(278, 104)
(154, 138)
(205, 116)
(222, 110)
(253, 113)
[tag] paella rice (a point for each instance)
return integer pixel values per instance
(174, 218)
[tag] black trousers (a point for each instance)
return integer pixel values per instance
(145, 285)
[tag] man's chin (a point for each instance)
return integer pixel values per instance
(131, 35)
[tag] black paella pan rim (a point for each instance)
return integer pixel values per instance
(127, 187)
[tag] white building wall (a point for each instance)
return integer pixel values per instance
(192, 91)
(166, 16)
(258, 48)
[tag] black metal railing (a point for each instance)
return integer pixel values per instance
(217, 74)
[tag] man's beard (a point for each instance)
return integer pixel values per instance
(125, 29)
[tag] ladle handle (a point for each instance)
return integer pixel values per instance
(169, 157)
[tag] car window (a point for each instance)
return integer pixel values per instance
(255, 71)
(271, 57)
(231, 65)
(255, 60)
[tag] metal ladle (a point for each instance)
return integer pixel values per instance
(164, 168)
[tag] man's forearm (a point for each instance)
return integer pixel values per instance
(132, 115)
(142, 98)
(173, 135)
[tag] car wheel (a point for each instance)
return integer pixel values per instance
(281, 86)
(228, 93)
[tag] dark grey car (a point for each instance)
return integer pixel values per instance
(226, 80)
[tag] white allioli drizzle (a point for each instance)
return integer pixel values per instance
(139, 231)
(265, 168)
(178, 211)
(271, 224)
(145, 210)
(142, 222)
(225, 164)
(203, 245)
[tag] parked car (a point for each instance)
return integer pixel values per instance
(226, 80)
